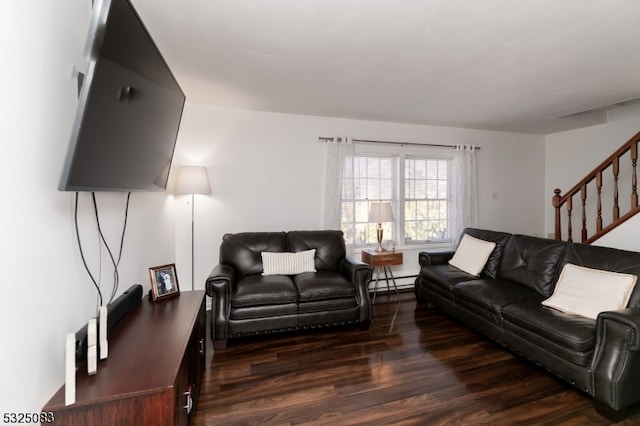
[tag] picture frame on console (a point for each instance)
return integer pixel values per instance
(164, 282)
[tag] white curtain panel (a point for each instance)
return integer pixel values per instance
(464, 194)
(338, 150)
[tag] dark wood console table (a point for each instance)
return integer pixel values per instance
(153, 373)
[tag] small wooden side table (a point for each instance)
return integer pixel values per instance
(382, 260)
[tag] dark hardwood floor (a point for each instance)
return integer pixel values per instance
(414, 366)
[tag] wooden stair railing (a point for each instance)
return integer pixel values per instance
(601, 178)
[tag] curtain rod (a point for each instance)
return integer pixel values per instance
(331, 139)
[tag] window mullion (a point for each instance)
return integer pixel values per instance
(400, 202)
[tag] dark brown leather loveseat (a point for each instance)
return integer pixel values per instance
(246, 302)
(598, 356)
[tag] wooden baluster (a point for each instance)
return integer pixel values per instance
(569, 228)
(556, 205)
(616, 172)
(599, 202)
(583, 198)
(634, 178)
(597, 174)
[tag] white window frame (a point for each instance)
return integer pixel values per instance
(400, 153)
(443, 198)
(359, 209)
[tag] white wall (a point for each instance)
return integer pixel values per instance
(570, 155)
(267, 173)
(624, 237)
(45, 291)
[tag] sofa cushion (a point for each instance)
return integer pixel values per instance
(532, 261)
(287, 263)
(323, 285)
(243, 251)
(472, 254)
(607, 259)
(329, 246)
(491, 294)
(492, 266)
(263, 311)
(587, 292)
(327, 305)
(442, 278)
(482, 301)
(256, 290)
(567, 335)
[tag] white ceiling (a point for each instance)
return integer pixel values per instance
(484, 64)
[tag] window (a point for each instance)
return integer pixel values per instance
(426, 199)
(366, 178)
(418, 184)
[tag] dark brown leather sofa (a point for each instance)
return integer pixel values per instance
(245, 302)
(600, 357)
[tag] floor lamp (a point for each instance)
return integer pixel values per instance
(192, 180)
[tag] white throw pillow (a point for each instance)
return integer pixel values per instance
(285, 263)
(472, 254)
(587, 292)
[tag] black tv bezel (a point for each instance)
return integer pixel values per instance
(92, 52)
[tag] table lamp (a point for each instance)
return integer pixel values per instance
(380, 211)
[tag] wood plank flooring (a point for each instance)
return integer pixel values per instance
(415, 366)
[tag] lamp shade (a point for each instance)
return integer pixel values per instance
(192, 180)
(380, 211)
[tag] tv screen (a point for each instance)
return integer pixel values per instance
(129, 108)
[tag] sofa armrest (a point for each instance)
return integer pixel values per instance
(616, 361)
(221, 273)
(218, 286)
(629, 319)
(427, 258)
(359, 273)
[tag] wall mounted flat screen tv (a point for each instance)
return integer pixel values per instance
(129, 108)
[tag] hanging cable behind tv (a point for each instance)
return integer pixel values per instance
(114, 262)
(112, 311)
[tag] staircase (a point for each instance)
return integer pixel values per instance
(599, 192)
